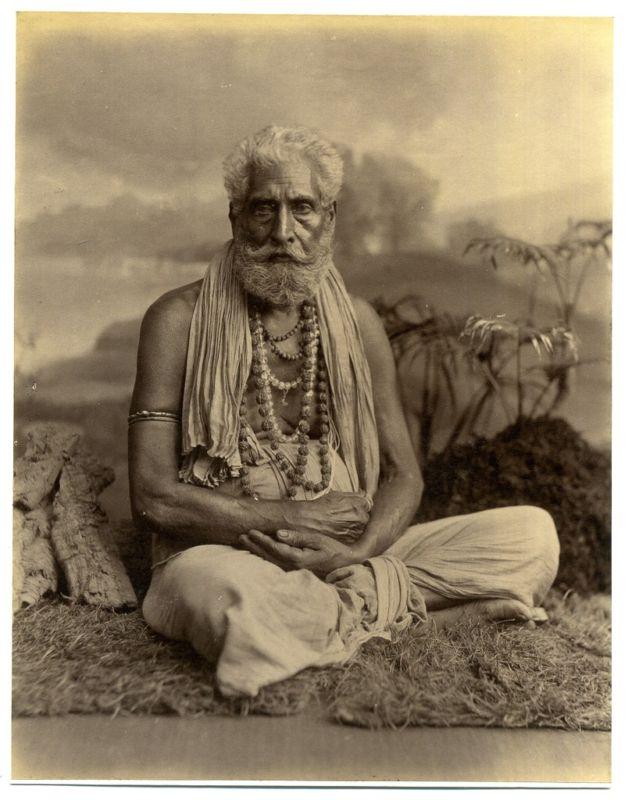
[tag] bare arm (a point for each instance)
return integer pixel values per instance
(160, 501)
(401, 483)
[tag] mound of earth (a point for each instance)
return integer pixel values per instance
(542, 462)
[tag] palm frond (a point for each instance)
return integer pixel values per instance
(495, 247)
(479, 332)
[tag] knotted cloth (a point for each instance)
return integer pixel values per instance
(219, 358)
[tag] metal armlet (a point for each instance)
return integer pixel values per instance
(153, 416)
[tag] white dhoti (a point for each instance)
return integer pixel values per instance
(260, 624)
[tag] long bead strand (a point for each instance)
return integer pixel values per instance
(312, 370)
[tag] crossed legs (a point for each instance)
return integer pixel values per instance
(498, 564)
(261, 624)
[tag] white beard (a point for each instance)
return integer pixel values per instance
(282, 283)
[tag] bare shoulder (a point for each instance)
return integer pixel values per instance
(173, 310)
(375, 341)
(163, 349)
(369, 323)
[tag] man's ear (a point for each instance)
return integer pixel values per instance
(232, 217)
(332, 212)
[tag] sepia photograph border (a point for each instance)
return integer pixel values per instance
(306, 788)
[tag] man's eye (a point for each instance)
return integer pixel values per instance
(302, 208)
(263, 211)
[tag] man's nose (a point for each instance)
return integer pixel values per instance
(283, 232)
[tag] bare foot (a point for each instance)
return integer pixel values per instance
(497, 610)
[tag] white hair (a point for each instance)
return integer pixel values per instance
(276, 145)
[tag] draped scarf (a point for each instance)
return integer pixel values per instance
(219, 357)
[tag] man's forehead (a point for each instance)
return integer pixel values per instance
(293, 177)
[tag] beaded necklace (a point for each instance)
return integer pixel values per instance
(272, 341)
(282, 337)
(281, 354)
(313, 371)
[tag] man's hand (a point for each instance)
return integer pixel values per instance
(340, 515)
(297, 550)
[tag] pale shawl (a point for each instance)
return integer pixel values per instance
(218, 364)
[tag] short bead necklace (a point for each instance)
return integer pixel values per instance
(313, 371)
(284, 336)
(273, 340)
(281, 354)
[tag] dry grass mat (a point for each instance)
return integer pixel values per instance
(81, 659)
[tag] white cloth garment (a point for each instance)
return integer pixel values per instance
(260, 624)
(218, 364)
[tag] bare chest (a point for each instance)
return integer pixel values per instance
(287, 404)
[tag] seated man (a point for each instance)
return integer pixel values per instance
(270, 457)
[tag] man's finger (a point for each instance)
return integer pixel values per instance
(298, 539)
(279, 549)
(256, 550)
(340, 574)
(252, 546)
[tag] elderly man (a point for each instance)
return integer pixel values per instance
(270, 457)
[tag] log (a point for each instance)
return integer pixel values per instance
(19, 539)
(36, 473)
(41, 576)
(58, 523)
(35, 573)
(82, 543)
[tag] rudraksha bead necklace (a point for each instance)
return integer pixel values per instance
(281, 354)
(282, 337)
(312, 368)
(272, 340)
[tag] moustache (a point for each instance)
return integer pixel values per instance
(266, 254)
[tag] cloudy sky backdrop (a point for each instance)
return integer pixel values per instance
(123, 122)
(150, 104)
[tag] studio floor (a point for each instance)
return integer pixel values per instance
(297, 748)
